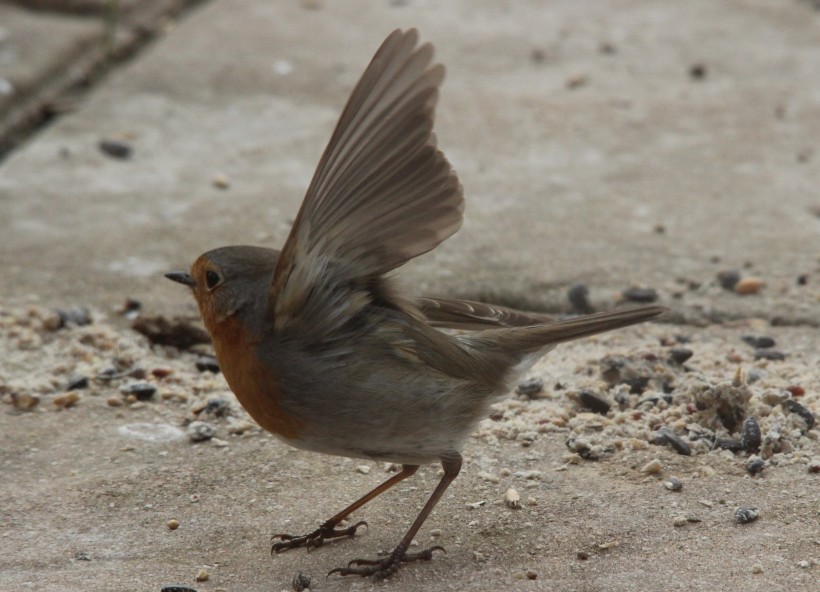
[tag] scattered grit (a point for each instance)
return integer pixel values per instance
(741, 397)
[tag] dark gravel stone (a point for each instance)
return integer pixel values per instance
(697, 71)
(217, 407)
(644, 295)
(77, 382)
(759, 342)
(769, 354)
(177, 588)
(578, 295)
(207, 364)
(729, 444)
(728, 279)
(530, 387)
(750, 437)
(744, 515)
(667, 436)
(797, 408)
(755, 466)
(116, 149)
(143, 391)
(300, 582)
(679, 355)
(594, 402)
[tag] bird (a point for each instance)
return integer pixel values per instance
(326, 352)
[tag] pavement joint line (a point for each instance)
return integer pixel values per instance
(81, 71)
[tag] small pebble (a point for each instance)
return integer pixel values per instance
(679, 355)
(798, 409)
(673, 484)
(578, 295)
(729, 444)
(581, 555)
(676, 442)
(759, 342)
(594, 402)
(744, 515)
(82, 556)
(202, 575)
(435, 533)
(114, 402)
(531, 575)
(814, 465)
(755, 465)
(678, 521)
(66, 400)
(533, 474)
(24, 401)
(530, 387)
(221, 181)
(796, 390)
(697, 71)
(750, 437)
(757, 568)
(116, 148)
(475, 505)
(177, 588)
(512, 499)
(749, 285)
(199, 431)
(769, 354)
(143, 391)
(363, 469)
(301, 582)
(644, 295)
(161, 372)
(130, 308)
(172, 524)
(577, 81)
(77, 315)
(217, 407)
(728, 279)
(653, 467)
(207, 364)
(77, 382)
(804, 564)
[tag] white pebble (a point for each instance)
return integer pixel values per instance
(653, 467)
(512, 499)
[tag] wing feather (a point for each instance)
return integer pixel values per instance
(382, 192)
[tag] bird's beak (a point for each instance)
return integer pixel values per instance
(181, 277)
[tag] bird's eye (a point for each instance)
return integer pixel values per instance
(212, 279)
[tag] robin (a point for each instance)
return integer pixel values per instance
(322, 349)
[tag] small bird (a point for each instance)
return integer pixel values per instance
(322, 349)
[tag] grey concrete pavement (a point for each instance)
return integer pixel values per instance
(578, 131)
(610, 143)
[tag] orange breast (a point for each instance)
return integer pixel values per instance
(253, 383)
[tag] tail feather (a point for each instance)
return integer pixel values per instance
(536, 337)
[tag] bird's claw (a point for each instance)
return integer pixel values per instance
(385, 567)
(314, 539)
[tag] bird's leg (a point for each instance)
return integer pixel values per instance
(328, 529)
(382, 568)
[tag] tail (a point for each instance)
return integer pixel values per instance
(525, 340)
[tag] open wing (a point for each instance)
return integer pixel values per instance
(382, 193)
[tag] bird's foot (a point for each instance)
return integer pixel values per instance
(385, 567)
(314, 539)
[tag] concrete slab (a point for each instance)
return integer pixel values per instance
(613, 144)
(35, 47)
